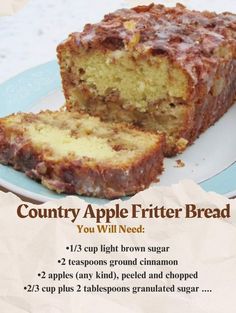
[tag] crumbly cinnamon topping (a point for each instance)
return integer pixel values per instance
(191, 38)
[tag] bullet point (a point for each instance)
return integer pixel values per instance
(67, 248)
(59, 261)
(25, 288)
(39, 274)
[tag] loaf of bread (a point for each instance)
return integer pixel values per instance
(161, 69)
(77, 154)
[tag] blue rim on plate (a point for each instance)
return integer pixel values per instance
(21, 91)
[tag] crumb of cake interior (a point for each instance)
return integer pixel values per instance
(77, 154)
(162, 69)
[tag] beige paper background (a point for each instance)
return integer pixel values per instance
(30, 246)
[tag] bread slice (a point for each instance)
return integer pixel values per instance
(162, 69)
(77, 154)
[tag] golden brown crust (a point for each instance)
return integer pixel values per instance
(75, 176)
(190, 39)
(212, 107)
(203, 44)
